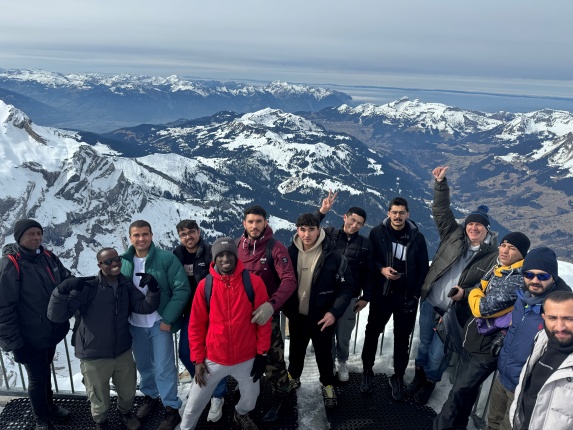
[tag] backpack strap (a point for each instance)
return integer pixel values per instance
(342, 268)
(15, 261)
(269, 251)
(246, 284)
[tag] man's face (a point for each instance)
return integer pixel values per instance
(398, 216)
(226, 262)
(31, 239)
(109, 264)
(476, 232)
(254, 225)
(509, 254)
(190, 239)
(141, 238)
(308, 235)
(559, 321)
(352, 223)
(535, 286)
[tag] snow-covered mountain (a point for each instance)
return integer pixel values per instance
(87, 194)
(100, 102)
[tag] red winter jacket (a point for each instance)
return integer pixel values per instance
(225, 334)
(280, 280)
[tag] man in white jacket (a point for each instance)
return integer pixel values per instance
(544, 396)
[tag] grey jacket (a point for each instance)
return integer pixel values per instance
(554, 406)
(102, 327)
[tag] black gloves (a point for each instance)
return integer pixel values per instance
(259, 367)
(149, 280)
(77, 284)
(410, 305)
(497, 344)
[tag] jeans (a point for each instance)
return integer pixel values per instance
(37, 366)
(431, 355)
(155, 360)
(185, 357)
(343, 332)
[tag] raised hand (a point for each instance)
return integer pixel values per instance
(327, 202)
(440, 173)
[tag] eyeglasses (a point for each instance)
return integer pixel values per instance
(111, 260)
(539, 276)
(188, 234)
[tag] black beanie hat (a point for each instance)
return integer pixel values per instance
(24, 224)
(479, 215)
(224, 244)
(543, 259)
(519, 240)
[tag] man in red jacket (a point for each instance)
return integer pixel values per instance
(223, 339)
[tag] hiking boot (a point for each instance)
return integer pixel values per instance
(343, 375)
(245, 421)
(329, 396)
(293, 383)
(367, 381)
(423, 395)
(171, 420)
(148, 405)
(216, 409)
(417, 383)
(129, 421)
(397, 385)
(273, 414)
(44, 425)
(104, 425)
(59, 414)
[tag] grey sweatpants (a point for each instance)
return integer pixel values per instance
(199, 396)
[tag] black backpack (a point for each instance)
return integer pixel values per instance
(246, 284)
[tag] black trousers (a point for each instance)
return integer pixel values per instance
(37, 364)
(381, 308)
(302, 330)
(471, 373)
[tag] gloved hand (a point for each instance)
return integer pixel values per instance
(410, 305)
(77, 284)
(259, 367)
(149, 280)
(497, 344)
(263, 313)
(21, 355)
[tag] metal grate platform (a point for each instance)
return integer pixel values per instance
(376, 411)
(18, 416)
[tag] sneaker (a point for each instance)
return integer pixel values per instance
(148, 405)
(417, 383)
(171, 420)
(273, 414)
(367, 381)
(216, 409)
(329, 396)
(129, 421)
(104, 425)
(44, 425)
(59, 414)
(245, 421)
(343, 375)
(397, 386)
(423, 395)
(293, 383)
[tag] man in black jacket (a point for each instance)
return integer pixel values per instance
(400, 260)
(195, 256)
(324, 291)
(101, 338)
(28, 275)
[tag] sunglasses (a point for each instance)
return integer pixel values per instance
(111, 260)
(539, 276)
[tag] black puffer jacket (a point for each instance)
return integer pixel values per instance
(24, 297)
(329, 292)
(200, 266)
(103, 329)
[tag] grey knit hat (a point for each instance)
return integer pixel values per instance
(224, 244)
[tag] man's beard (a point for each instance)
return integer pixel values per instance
(561, 342)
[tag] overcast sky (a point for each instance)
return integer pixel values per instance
(507, 46)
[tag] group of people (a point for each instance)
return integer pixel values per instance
(497, 307)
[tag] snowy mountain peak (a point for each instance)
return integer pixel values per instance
(274, 118)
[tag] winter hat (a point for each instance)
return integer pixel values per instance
(224, 244)
(519, 240)
(541, 259)
(24, 224)
(479, 215)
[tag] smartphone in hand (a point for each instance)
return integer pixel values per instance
(453, 292)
